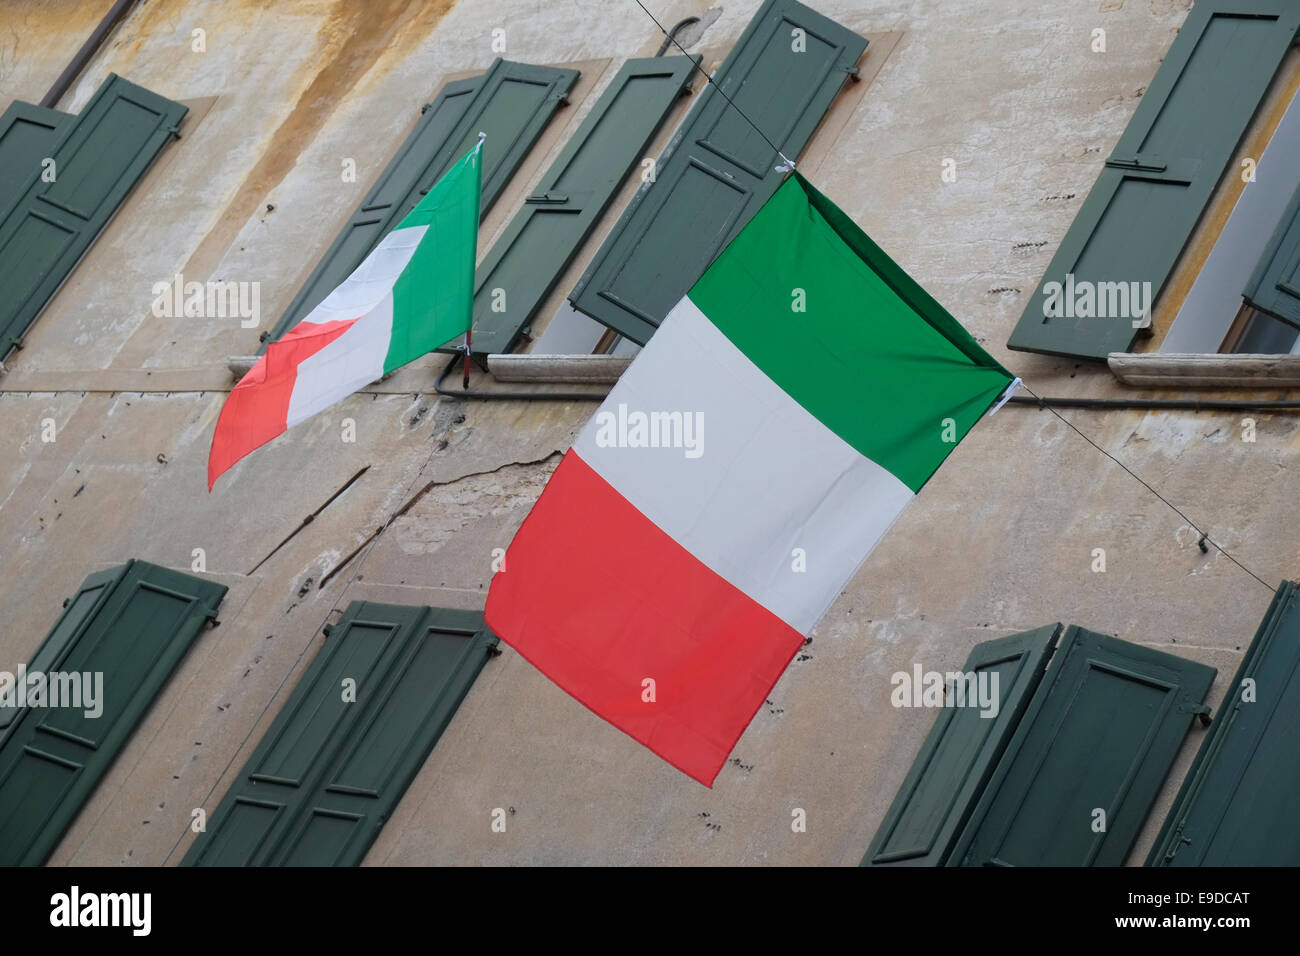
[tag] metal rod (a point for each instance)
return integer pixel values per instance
(672, 34)
(1191, 404)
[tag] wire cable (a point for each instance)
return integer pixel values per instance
(1205, 537)
(730, 102)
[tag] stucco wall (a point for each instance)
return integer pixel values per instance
(1001, 539)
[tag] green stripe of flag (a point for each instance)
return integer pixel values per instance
(872, 356)
(433, 298)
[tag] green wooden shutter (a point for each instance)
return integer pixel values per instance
(328, 773)
(1274, 287)
(49, 226)
(132, 624)
(1151, 192)
(959, 755)
(541, 240)
(27, 134)
(1101, 732)
(92, 594)
(511, 103)
(1237, 804)
(718, 171)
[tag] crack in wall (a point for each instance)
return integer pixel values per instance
(310, 518)
(414, 499)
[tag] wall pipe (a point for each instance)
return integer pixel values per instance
(88, 49)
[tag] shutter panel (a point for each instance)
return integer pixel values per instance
(718, 171)
(543, 237)
(94, 591)
(27, 134)
(1102, 731)
(1275, 285)
(1152, 190)
(1237, 805)
(959, 755)
(511, 103)
(133, 625)
(328, 773)
(50, 225)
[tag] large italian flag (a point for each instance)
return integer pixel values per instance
(413, 293)
(667, 582)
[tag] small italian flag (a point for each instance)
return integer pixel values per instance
(748, 461)
(413, 293)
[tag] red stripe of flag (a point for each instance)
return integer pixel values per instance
(257, 409)
(598, 598)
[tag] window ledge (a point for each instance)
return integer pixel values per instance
(513, 367)
(558, 369)
(1205, 370)
(241, 365)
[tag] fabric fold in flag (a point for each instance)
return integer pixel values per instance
(749, 460)
(413, 293)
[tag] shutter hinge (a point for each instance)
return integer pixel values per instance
(854, 75)
(1200, 711)
(689, 81)
(175, 131)
(546, 198)
(425, 108)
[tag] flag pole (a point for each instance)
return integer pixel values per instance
(1011, 389)
(469, 332)
(465, 379)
